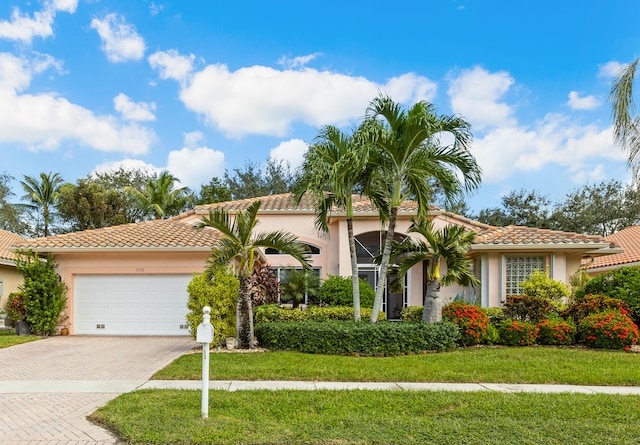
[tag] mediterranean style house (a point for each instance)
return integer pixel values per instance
(131, 279)
(627, 239)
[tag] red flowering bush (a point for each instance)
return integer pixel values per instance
(556, 332)
(471, 320)
(591, 304)
(518, 333)
(609, 330)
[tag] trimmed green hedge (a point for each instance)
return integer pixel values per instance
(348, 337)
(271, 313)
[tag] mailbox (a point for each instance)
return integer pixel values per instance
(204, 334)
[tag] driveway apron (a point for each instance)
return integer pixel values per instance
(48, 387)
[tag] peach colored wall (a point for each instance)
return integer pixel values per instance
(11, 279)
(125, 263)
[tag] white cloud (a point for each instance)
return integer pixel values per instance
(291, 151)
(298, 61)
(610, 69)
(576, 102)
(134, 111)
(197, 166)
(193, 138)
(155, 9)
(263, 100)
(475, 94)
(596, 174)
(172, 65)
(24, 28)
(120, 41)
(128, 165)
(45, 121)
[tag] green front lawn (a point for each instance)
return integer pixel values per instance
(9, 338)
(492, 365)
(372, 417)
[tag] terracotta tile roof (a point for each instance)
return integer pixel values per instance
(627, 238)
(531, 236)
(8, 239)
(157, 234)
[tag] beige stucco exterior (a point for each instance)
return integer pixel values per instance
(10, 279)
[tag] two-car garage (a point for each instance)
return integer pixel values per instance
(145, 304)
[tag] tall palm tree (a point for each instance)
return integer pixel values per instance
(626, 121)
(42, 194)
(448, 245)
(159, 197)
(332, 172)
(239, 243)
(406, 148)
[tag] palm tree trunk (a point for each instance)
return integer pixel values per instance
(432, 312)
(354, 270)
(244, 316)
(384, 265)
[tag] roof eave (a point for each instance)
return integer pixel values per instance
(598, 249)
(121, 249)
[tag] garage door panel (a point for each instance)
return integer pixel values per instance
(130, 304)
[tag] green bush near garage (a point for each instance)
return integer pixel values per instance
(348, 337)
(271, 313)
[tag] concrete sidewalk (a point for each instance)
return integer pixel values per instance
(122, 386)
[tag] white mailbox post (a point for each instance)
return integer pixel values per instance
(204, 335)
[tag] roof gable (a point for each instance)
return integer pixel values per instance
(627, 238)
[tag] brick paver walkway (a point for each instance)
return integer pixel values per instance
(48, 387)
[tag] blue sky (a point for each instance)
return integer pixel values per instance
(199, 86)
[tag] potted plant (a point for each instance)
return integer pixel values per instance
(3, 317)
(17, 312)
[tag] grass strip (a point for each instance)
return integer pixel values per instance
(9, 338)
(548, 365)
(372, 417)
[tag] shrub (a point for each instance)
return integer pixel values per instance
(263, 286)
(297, 285)
(45, 294)
(556, 332)
(338, 291)
(412, 314)
(221, 295)
(273, 313)
(16, 309)
(623, 283)
(492, 336)
(540, 284)
(495, 314)
(592, 304)
(518, 333)
(471, 321)
(527, 308)
(609, 330)
(348, 337)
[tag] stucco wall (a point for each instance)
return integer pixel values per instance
(11, 279)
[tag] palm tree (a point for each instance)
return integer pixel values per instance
(159, 197)
(406, 148)
(449, 245)
(332, 173)
(238, 243)
(626, 122)
(42, 194)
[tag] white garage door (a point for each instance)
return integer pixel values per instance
(131, 304)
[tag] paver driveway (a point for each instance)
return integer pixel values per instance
(48, 387)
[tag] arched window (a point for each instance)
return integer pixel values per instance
(313, 249)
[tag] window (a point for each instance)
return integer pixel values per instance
(518, 269)
(281, 276)
(271, 251)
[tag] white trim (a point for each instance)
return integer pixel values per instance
(484, 281)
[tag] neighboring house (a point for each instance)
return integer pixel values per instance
(131, 279)
(629, 240)
(10, 279)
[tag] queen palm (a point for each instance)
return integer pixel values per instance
(626, 122)
(448, 245)
(239, 244)
(332, 173)
(406, 149)
(159, 197)
(42, 194)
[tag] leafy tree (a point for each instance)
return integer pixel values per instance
(214, 191)
(333, 171)
(220, 293)
(44, 292)
(251, 182)
(122, 180)
(42, 195)
(89, 205)
(11, 215)
(160, 198)
(448, 245)
(238, 243)
(297, 285)
(598, 209)
(407, 152)
(521, 208)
